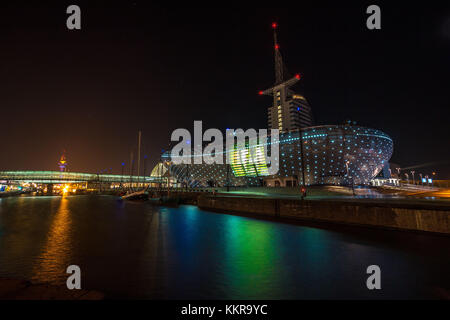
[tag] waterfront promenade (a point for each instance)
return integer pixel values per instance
(374, 207)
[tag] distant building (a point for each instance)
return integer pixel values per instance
(62, 164)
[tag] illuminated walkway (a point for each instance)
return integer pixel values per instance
(70, 177)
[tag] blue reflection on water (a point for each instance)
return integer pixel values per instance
(135, 250)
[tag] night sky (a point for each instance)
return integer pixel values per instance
(132, 67)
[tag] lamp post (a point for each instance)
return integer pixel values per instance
(187, 176)
(414, 181)
(421, 179)
(426, 179)
(398, 175)
(407, 178)
(353, 185)
(432, 181)
(160, 165)
(228, 177)
(302, 159)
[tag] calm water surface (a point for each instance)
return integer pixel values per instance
(135, 250)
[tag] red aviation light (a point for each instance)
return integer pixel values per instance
(260, 93)
(277, 46)
(298, 76)
(274, 25)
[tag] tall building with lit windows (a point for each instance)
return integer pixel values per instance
(289, 110)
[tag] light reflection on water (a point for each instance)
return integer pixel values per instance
(55, 254)
(135, 250)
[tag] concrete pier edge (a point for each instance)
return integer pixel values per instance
(391, 216)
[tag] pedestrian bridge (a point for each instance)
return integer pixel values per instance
(72, 177)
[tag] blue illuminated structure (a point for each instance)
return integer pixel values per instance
(333, 155)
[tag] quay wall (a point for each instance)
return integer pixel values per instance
(365, 213)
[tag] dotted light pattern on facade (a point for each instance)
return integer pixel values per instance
(333, 154)
(204, 175)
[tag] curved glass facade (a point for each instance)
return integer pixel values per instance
(333, 154)
(336, 154)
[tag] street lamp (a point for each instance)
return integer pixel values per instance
(398, 175)
(407, 178)
(421, 179)
(353, 185)
(228, 177)
(414, 181)
(346, 165)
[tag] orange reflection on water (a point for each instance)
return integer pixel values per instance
(55, 254)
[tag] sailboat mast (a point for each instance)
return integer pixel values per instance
(139, 159)
(131, 169)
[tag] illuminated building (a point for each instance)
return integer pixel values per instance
(208, 175)
(63, 162)
(289, 111)
(310, 155)
(333, 155)
(245, 163)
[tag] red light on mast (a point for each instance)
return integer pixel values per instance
(277, 46)
(260, 93)
(274, 25)
(298, 76)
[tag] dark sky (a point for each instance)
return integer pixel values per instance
(133, 67)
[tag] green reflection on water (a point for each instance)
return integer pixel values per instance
(251, 256)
